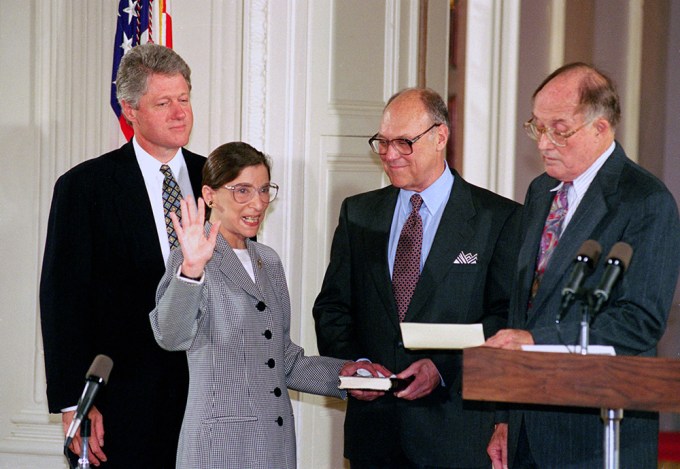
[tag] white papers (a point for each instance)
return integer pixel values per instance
(418, 335)
(592, 349)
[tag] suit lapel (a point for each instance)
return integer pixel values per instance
(195, 167)
(130, 201)
(453, 232)
(537, 206)
(376, 238)
(230, 265)
(594, 206)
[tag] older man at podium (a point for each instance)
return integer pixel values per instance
(590, 191)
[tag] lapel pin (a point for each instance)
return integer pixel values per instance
(259, 263)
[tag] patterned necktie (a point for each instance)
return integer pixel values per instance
(171, 198)
(407, 259)
(551, 234)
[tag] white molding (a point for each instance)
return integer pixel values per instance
(33, 433)
(558, 14)
(504, 178)
(491, 94)
(633, 79)
(255, 72)
(391, 58)
(410, 63)
(225, 77)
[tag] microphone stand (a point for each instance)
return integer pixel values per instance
(584, 337)
(84, 461)
(611, 418)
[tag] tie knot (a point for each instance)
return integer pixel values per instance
(562, 194)
(416, 202)
(165, 169)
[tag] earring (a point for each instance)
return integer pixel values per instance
(210, 204)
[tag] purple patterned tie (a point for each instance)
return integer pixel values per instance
(171, 198)
(407, 259)
(551, 234)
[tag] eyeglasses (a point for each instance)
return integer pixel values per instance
(559, 139)
(402, 145)
(245, 192)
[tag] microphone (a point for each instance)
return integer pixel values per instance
(584, 263)
(96, 376)
(617, 263)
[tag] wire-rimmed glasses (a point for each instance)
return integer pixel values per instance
(559, 139)
(244, 193)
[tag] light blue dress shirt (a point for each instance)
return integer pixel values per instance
(435, 198)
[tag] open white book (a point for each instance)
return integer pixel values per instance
(419, 335)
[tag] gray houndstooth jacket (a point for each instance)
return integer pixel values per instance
(241, 360)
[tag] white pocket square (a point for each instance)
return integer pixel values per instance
(466, 258)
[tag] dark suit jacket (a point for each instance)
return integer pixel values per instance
(356, 316)
(623, 203)
(101, 268)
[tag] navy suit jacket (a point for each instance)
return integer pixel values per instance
(623, 203)
(101, 268)
(356, 316)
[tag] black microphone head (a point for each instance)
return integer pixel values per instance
(621, 253)
(100, 368)
(589, 252)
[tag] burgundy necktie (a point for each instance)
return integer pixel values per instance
(407, 259)
(551, 234)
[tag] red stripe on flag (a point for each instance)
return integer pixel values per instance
(125, 127)
(168, 30)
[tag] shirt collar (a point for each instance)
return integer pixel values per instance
(434, 196)
(582, 183)
(150, 165)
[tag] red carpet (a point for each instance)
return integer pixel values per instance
(669, 446)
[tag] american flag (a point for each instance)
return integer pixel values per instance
(139, 22)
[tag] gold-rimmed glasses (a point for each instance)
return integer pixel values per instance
(559, 139)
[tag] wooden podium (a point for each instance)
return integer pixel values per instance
(604, 382)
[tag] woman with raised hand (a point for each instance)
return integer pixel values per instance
(224, 299)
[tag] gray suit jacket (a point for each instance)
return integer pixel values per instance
(241, 360)
(356, 316)
(623, 203)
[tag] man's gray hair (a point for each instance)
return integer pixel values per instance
(140, 63)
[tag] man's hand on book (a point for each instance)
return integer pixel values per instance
(427, 378)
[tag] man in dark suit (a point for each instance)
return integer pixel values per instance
(107, 242)
(608, 199)
(467, 252)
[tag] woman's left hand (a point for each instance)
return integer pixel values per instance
(197, 249)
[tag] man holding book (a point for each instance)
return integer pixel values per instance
(429, 248)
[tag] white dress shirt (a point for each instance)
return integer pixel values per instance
(153, 179)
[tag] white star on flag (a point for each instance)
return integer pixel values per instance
(131, 10)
